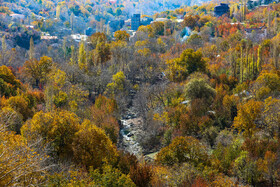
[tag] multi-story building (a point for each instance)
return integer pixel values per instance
(135, 22)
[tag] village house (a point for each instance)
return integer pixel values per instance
(78, 37)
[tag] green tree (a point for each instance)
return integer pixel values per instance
(247, 169)
(102, 53)
(195, 41)
(199, 89)
(111, 177)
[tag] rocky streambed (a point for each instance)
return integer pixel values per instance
(130, 131)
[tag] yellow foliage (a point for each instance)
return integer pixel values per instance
(19, 164)
(57, 128)
(246, 117)
(92, 147)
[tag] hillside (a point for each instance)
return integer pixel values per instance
(93, 94)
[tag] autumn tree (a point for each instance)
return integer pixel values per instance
(38, 70)
(101, 54)
(121, 35)
(141, 174)
(247, 116)
(11, 119)
(183, 149)
(103, 114)
(157, 29)
(59, 92)
(230, 106)
(82, 59)
(52, 127)
(126, 161)
(189, 62)
(118, 84)
(97, 37)
(9, 84)
(269, 167)
(190, 21)
(20, 162)
(268, 83)
(271, 116)
(92, 148)
(19, 103)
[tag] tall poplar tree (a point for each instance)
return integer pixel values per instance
(31, 52)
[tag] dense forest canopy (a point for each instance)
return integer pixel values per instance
(190, 99)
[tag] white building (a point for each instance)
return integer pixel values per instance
(79, 37)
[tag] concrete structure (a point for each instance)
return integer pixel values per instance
(178, 20)
(160, 20)
(127, 22)
(78, 37)
(49, 38)
(135, 22)
(146, 21)
(221, 9)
